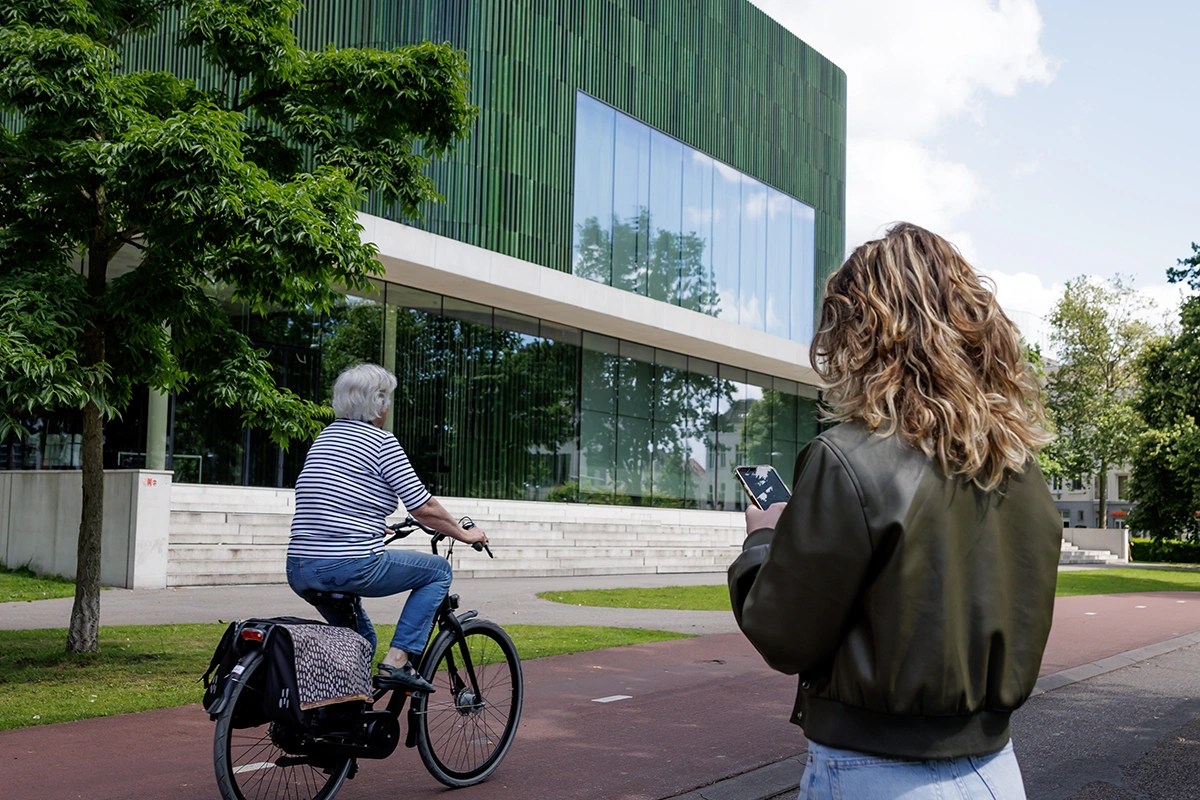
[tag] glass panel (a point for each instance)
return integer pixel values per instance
(752, 285)
(672, 423)
(731, 394)
(635, 386)
(757, 419)
(600, 372)
(695, 260)
(592, 236)
(533, 413)
(808, 420)
(631, 197)
(415, 299)
(597, 456)
(633, 461)
(561, 333)
(779, 263)
(803, 254)
(703, 388)
(664, 219)
(787, 409)
(726, 239)
(517, 323)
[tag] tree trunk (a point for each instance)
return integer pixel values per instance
(83, 635)
(1102, 495)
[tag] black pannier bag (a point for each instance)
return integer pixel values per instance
(307, 665)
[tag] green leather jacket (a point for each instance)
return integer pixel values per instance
(913, 607)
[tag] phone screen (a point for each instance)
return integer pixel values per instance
(764, 485)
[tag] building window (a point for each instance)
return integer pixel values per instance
(1080, 517)
(1076, 485)
(1066, 518)
(659, 218)
(1056, 483)
(1122, 487)
(495, 404)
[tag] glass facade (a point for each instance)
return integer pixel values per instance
(490, 403)
(659, 218)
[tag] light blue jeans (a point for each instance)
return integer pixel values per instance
(833, 774)
(425, 575)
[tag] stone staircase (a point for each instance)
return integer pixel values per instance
(238, 535)
(1073, 555)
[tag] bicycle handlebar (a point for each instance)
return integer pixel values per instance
(403, 529)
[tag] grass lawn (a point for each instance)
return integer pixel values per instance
(716, 598)
(1120, 581)
(140, 667)
(21, 584)
(682, 598)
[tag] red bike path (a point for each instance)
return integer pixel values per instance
(699, 710)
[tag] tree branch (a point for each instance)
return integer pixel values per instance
(136, 21)
(278, 91)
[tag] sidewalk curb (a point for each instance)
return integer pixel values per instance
(765, 783)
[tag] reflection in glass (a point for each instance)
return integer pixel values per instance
(592, 232)
(659, 218)
(664, 220)
(803, 297)
(631, 197)
(752, 285)
(696, 289)
(726, 244)
(492, 403)
(778, 292)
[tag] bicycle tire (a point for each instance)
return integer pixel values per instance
(460, 740)
(247, 759)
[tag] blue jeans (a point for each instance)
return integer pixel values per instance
(833, 774)
(425, 575)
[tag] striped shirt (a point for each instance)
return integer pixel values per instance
(351, 478)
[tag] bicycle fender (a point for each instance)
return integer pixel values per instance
(236, 673)
(411, 739)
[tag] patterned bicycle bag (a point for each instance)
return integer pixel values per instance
(308, 664)
(313, 665)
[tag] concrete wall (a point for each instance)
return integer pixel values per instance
(1114, 540)
(39, 524)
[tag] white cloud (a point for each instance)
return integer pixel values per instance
(912, 67)
(1028, 300)
(1024, 169)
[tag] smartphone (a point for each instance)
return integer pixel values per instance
(763, 485)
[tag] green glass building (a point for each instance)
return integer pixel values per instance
(614, 301)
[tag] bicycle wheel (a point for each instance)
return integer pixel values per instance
(250, 762)
(462, 738)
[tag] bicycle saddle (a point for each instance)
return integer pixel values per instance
(319, 598)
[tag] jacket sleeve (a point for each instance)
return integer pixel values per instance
(794, 596)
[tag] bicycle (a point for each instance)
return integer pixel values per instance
(462, 732)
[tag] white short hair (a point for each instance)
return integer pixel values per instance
(363, 392)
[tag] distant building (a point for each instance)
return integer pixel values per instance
(1079, 502)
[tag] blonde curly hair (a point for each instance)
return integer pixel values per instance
(910, 341)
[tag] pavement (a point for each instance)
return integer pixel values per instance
(1117, 715)
(505, 600)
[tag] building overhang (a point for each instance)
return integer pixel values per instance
(424, 260)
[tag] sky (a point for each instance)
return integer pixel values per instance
(1047, 140)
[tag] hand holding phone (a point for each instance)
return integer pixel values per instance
(763, 485)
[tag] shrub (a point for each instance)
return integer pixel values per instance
(1165, 550)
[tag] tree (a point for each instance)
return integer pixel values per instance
(1098, 335)
(253, 184)
(1166, 464)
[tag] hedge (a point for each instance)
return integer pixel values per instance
(1165, 550)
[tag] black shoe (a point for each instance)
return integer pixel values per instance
(404, 678)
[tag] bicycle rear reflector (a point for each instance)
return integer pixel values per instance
(252, 634)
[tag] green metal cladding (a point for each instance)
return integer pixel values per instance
(720, 75)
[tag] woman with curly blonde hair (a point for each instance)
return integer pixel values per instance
(909, 582)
